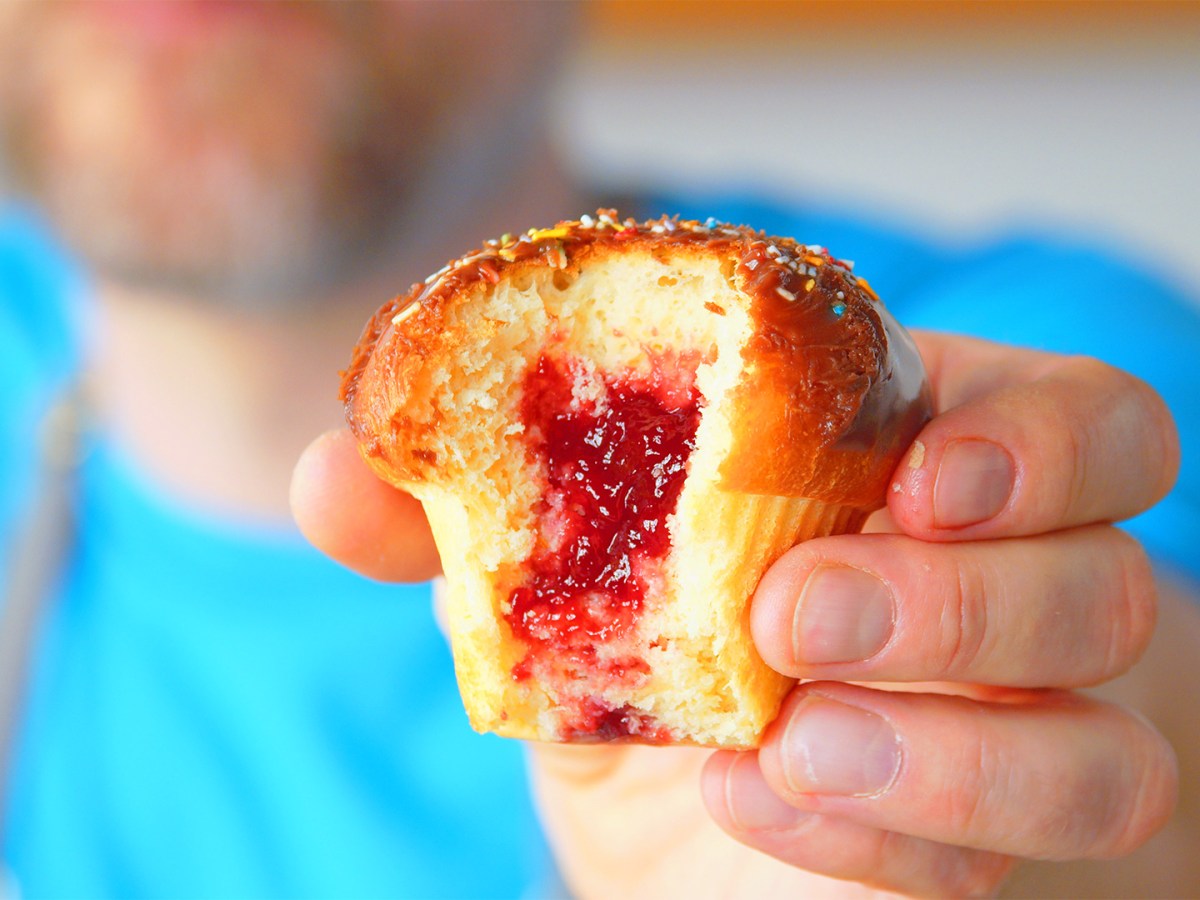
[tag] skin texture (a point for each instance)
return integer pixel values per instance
(962, 747)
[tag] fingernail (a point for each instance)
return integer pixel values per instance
(832, 748)
(974, 481)
(752, 804)
(843, 615)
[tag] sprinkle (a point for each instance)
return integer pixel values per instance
(810, 284)
(541, 234)
(772, 250)
(627, 232)
(405, 313)
(587, 221)
(506, 238)
(814, 260)
(657, 229)
(916, 459)
(752, 265)
(841, 295)
(710, 223)
(862, 283)
(785, 293)
(838, 308)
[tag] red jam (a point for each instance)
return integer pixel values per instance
(594, 722)
(615, 468)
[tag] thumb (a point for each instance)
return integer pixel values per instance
(349, 514)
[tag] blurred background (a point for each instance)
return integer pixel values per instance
(959, 119)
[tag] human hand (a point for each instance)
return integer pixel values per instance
(1004, 583)
(1002, 589)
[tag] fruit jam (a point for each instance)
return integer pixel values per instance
(614, 466)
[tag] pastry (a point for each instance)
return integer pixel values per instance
(615, 427)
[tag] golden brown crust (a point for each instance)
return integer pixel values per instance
(764, 366)
(833, 392)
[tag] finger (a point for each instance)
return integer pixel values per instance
(1043, 443)
(1059, 777)
(742, 802)
(349, 514)
(1065, 610)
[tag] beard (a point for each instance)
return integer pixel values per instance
(254, 156)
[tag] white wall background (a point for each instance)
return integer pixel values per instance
(1081, 120)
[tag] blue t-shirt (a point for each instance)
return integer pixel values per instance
(220, 712)
(223, 712)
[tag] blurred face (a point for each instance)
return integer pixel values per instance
(245, 150)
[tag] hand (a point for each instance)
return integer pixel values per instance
(999, 589)
(1004, 584)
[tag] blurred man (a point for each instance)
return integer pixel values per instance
(214, 709)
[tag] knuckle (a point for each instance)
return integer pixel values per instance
(1135, 605)
(986, 775)
(981, 875)
(1163, 441)
(1120, 418)
(964, 625)
(1147, 796)
(1076, 452)
(1157, 434)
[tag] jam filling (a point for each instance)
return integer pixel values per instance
(595, 722)
(615, 465)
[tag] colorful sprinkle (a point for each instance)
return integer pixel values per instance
(540, 234)
(405, 313)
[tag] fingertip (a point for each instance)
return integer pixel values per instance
(344, 510)
(911, 484)
(314, 482)
(773, 609)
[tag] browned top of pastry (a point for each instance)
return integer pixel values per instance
(834, 388)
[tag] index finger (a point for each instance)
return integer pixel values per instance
(1026, 443)
(349, 514)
